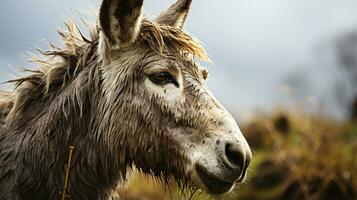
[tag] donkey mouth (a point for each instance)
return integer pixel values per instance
(214, 184)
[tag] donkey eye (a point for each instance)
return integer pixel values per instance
(163, 78)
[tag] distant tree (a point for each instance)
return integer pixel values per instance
(354, 109)
(346, 57)
(346, 53)
(336, 65)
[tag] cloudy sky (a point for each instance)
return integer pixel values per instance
(254, 44)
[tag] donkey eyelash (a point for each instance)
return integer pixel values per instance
(163, 78)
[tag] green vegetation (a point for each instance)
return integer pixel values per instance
(295, 157)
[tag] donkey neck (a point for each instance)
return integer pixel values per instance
(96, 169)
(70, 116)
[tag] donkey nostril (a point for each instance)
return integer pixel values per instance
(235, 155)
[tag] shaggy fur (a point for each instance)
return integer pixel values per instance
(60, 104)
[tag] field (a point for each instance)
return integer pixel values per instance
(295, 156)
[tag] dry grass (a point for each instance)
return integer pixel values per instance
(313, 158)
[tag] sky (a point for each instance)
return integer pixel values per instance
(253, 44)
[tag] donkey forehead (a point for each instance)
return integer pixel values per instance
(140, 58)
(179, 61)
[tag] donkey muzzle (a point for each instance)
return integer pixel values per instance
(231, 167)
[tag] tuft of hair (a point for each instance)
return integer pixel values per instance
(55, 69)
(163, 38)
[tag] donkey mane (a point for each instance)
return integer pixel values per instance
(59, 66)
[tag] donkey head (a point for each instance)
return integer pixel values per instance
(163, 117)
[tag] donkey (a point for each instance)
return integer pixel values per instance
(131, 96)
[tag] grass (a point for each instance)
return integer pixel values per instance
(295, 156)
(304, 158)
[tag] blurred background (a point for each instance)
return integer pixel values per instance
(287, 69)
(260, 50)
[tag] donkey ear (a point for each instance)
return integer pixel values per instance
(120, 20)
(176, 14)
